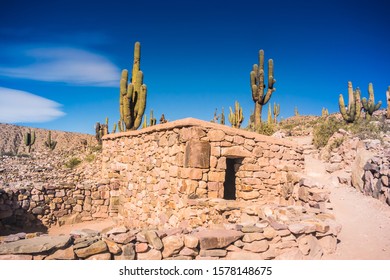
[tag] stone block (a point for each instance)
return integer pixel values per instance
(197, 154)
(215, 135)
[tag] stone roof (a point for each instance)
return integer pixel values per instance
(192, 122)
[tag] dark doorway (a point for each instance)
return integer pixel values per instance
(229, 187)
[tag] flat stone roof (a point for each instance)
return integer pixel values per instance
(192, 122)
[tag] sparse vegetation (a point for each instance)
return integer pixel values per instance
(72, 162)
(324, 130)
(90, 157)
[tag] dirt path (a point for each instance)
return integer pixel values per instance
(94, 225)
(366, 226)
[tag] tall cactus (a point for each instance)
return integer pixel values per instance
(369, 106)
(153, 120)
(324, 112)
(388, 102)
(352, 113)
(29, 139)
(236, 117)
(132, 97)
(269, 115)
(49, 143)
(276, 112)
(260, 93)
(222, 120)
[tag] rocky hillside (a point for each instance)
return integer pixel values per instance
(12, 140)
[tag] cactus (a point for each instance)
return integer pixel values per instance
(29, 139)
(352, 113)
(215, 117)
(101, 130)
(296, 112)
(145, 122)
(276, 112)
(222, 119)
(324, 113)
(236, 117)
(51, 144)
(369, 106)
(388, 102)
(153, 120)
(162, 119)
(269, 115)
(132, 96)
(114, 128)
(121, 126)
(259, 95)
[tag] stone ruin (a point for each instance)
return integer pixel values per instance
(191, 189)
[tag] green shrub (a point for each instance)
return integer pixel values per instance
(72, 163)
(90, 158)
(365, 129)
(324, 130)
(97, 148)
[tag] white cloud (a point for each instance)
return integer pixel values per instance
(64, 64)
(21, 106)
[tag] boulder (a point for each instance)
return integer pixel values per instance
(172, 245)
(362, 156)
(96, 248)
(153, 240)
(217, 238)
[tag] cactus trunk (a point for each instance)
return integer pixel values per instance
(369, 105)
(352, 112)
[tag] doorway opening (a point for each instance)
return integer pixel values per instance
(229, 186)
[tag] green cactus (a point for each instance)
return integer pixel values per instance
(269, 115)
(153, 120)
(29, 139)
(296, 112)
(388, 102)
(352, 113)
(257, 81)
(324, 113)
(369, 106)
(236, 118)
(51, 144)
(121, 126)
(222, 119)
(145, 122)
(276, 112)
(215, 117)
(132, 97)
(114, 128)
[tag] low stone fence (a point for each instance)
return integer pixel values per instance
(45, 205)
(278, 233)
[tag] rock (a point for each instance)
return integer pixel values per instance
(123, 238)
(35, 245)
(257, 246)
(297, 228)
(113, 248)
(218, 238)
(269, 233)
(70, 220)
(189, 252)
(102, 257)
(243, 256)
(128, 253)
(213, 253)
(5, 214)
(362, 156)
(85, 242)
(276, 225)
(96, 248)
(172, 245)
(84, 233)
(62, 254)
(141, 247)
(117, 230)
(328, 244)
(310, 247)
(191, 241)
(10, 238)
(254, 236)
(152, 254)
(153, 240)
(16, 257)
(251, 229)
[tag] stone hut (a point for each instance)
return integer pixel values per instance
(191, 172)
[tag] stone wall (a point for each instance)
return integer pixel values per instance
(168, 175)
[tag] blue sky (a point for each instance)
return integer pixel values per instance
(60, 61)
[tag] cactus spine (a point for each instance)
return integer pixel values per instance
(352, 113)
(51, 144)
(29, 139)
(132, 97)
(269, 115)
(276, 112)
(236, 117)
(258, 87)
(388, 102)
(369, 106)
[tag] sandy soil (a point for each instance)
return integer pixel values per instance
(98, 225)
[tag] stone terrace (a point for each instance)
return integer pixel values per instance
(176, 173)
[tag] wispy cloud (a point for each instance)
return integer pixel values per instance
(21, 106)
(68, 65)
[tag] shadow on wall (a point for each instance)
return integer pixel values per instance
(20, 221)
